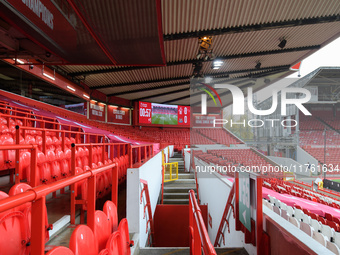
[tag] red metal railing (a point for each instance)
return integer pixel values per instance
(224, 219)
(80, 137)
(147, 206)
(108, 151)
(199, 238)
(138, 154)
(38, 196)
(40, 122)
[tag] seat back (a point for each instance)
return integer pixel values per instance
(110, 210)
(294, 221)
(306, 228)
(320, 238)
(60, 250)
(82, 241)
(115, 244)
(20, 188)
(13, 232)
(123, 228)
(102, 229)
(333, 248)
(105, 252)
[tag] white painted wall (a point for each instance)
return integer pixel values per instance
(151, 171)
(304, 157)
(187, 159)
(214, 191)
(291, 165)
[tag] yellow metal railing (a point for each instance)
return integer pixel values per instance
(170, 171)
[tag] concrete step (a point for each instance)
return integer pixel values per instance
(183, 181)
(176, 201)
(180, 175)
(178, 189)
(186, 251)
(176, 195)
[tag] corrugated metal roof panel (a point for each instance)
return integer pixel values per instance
(198, 15)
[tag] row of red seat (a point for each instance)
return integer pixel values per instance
(55, 166)
(296, 190)
(219, 135)
(15, 225)
(108, 238)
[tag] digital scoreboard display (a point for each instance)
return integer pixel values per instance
(162, 114)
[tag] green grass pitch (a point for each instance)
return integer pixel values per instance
(164, 119)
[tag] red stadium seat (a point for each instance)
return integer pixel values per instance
(17, 189)
(25, 166)
(105, 252)
(102, 230)
(60, 250)
(13, 232)
(123, 228)
(44, 168)
(26, 208)
(115, 244)
(82, 241)
(328, 216)
(110, 210)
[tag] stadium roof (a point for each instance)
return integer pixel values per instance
(245, 33)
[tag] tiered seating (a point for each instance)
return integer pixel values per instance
(310, 122)
(332, 158)
(197, 138)
(15, 225)
(218, 135)
(104, 239)
(244, 157)
(311, 138)
(323, 230)
(296, 190)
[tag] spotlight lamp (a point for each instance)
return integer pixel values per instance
(258, 65)
(282, 43)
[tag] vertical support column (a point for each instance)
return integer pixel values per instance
(73, 186)
(130, 155)
(139, 154)
(63, 144)
(91, 201)
(145, 153)
(17, 157)
(103, 152)
(112, 151)
(259, 216)
(34, 170)
(38, 231)
(114, 191)
(237, 221)
(43, 141)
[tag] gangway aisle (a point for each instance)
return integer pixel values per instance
(176, 192)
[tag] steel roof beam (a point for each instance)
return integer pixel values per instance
(192, 61)
(251, 28)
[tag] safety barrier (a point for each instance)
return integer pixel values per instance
(224, 220)
(93, 156)
(199, 238)
(138, 154)
(32, 120)
(38, 197)
(168, 167)
(63, 137)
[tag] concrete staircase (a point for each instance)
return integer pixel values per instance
(176, 192)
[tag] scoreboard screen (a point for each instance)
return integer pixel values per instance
(162, 114)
